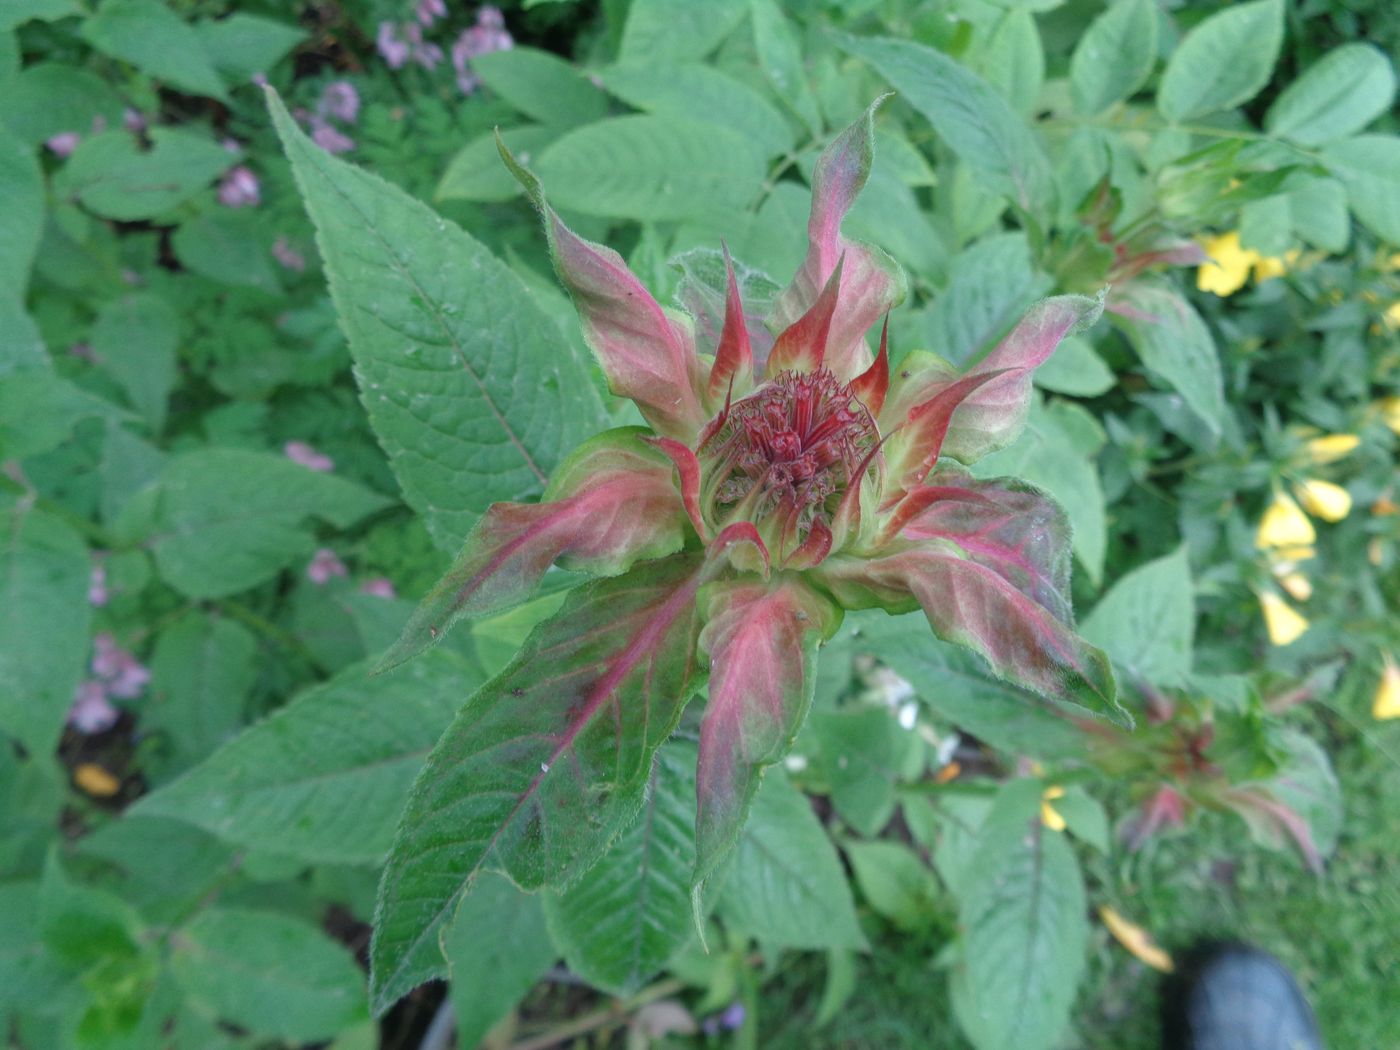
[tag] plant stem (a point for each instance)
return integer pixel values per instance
(607, 1018)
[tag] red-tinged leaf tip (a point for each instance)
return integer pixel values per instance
(645, 356)
(688, 467)
(873, 384)
(847, 520)
(741, 545)
(813, 549)
(914, 452)
(733, 357)
(802, 345)
(915, 502)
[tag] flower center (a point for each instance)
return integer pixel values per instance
(783, 456)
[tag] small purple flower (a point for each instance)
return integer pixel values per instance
(340, 100)
(240, 189)
(63, 144)
(429, 11)
(328, 138)
(91, 711)
(380, 587)
(122, 674)
(301, 452)
(393, 50)
(733, 1017)
(97, 586)
(489, 34)
(323, 565)
(133, 120)
(288, 256)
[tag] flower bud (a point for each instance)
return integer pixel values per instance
(1386, 704)
(1284, 525)
(1323, 499)
(1284, 623)
(1331, 447)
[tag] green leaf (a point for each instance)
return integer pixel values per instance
(1318, 212)
(947, 824)
(229, 519)
(786, 886)
(49, 98)
(1075, 368)
(619, 924)
(201, 675)
(44, 616)
(968, 114)
(17, 12)
(112, 177)
(653, 169)
(542, 86)
(896, 882)
(780, 57)
(325, 777)
(243, 45)
(1024, 931)
(497, 948)
(83, 925)
(135, 338)
(21, 346)
(691, 91)
(859, 754)
(157, 41)
(226, 246)
(268, 973)
(22, 218)
(677, 30)
(992, 285)
(1175, 344)
(957, 686)
(1147, 619)
(1223, 62)
(461, 372)
(475, 172)
(129, 464)
(1336, 97)
(545, 764)
(1013, 60)
(38, 410)
(1369, 167)
(1114, 57)
(1084, 817)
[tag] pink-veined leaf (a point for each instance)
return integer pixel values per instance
(1272, 821)
(546, 763)
(915, 445)
(762, 640)
(988, 562)
(610, 504)
(873, 384)
(733, 365)
(993, 416)
(872, 283)
(646, 355)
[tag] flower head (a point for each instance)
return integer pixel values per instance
(340, 100)
(323, 566)
(1331, 447)
(240, 188)
(301, 452)
(1284, 623)
(1386, 704)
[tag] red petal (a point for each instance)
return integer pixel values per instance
(872, 384)
(733, 356)
(688, 467)
(918, 442)
(802, 345)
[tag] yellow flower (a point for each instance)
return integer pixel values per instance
(1229, 267)
(1048, 815)
(1266, 268)
(1375, 551)
(1284, 525)
(1332, 447)
(1392, 315)
(1136, 940)
(96, 781)
(1294, 554)
(1390, 412)
(1323, 499)
(1297, 585)
(1387, 702)
(1284, 623)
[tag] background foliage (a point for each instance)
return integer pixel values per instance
(216, 517)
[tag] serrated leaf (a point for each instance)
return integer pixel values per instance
(1024, 931)
(44, 617)
(991, 286)
(1114, 57)
(545, 764)
(38, 409)
(113, 177)
(859, 748)
(1077, 369)
(475, 172)
(780, 57)
(1223, 62)
(1147, 619)
(17, 12)
(49, 98)
(157, 41)
(677, 30)
(542, 86)
(324, 778)
(21, 346)
(268, 973)
(461, 373)
(226, 246)
(1335, 97)
(968, 114)
(229, 519)
(619, 924)
(244, 45)
(653, 169)
(135, 338)
(700, 92)
(786, 886)
(497, 949)
(896, 882)
(1369, 167)
(22, 218)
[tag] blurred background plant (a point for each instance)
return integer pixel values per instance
(204, 539)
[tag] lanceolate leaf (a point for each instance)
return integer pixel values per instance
(610, 505)
(621, 921)
(465, 380)
(762, 642)
(545, 764)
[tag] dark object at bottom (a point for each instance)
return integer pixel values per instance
(1234, 997)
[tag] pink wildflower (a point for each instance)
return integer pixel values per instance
(97, 586)
(301, 452)
(122, 674)
(91, 711)
(380, 587)
(429, 11)
(489, 34)
(329, 138)
(240, 189)
(288, 256)
(340, 100)
(133, 120)
(393, 50)
(323, 565)
(63, 144)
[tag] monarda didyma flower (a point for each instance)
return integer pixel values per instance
(786, 474)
